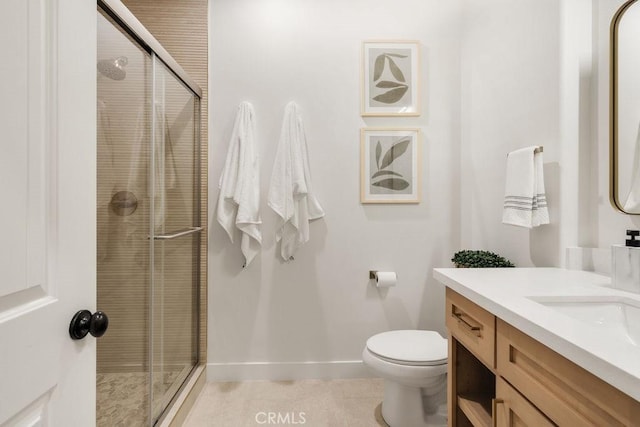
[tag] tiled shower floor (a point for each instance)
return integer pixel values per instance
(122, 397)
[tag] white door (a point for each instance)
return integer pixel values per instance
(47, 210)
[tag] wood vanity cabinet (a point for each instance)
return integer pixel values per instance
(471, 379)
(499, 376)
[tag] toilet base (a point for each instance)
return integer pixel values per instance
(403, 406)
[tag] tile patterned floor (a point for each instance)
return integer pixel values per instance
(122, 397)
(312, 403)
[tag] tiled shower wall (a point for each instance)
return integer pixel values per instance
(181, 27)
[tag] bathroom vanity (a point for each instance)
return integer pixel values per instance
(541, 347)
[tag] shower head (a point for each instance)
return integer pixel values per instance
(113, 68)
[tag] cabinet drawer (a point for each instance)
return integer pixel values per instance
(511, 409)
(562, 390)
(473, 326)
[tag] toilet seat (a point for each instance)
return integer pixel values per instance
(409, 347)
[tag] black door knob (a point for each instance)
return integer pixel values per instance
(98, 324)
(83, 323)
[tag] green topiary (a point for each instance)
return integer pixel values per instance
(479, 259)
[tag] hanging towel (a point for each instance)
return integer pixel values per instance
(239, 198)
(290, 193)
(525, 202)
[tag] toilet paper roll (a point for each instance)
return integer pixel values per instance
(385, 279)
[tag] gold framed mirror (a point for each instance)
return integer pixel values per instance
(624, 144)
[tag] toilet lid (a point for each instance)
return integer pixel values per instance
(410, 346)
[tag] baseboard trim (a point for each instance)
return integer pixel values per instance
(286, 371)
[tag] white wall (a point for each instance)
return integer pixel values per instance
(611, 224)
(321, 307)
(527, 81)
(524, 81)
(511, 92)
(498, 74)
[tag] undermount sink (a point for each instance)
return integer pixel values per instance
(619, 315)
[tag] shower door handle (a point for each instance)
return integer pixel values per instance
(179, 233)
(83, 323)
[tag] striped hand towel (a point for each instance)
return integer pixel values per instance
(525, 202)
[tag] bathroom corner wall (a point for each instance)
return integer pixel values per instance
(312, 316)
(611, 224)
(579, 51)
(599, 224)
(182, 28)
(511, 98)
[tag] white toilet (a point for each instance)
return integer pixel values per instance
(413, 365)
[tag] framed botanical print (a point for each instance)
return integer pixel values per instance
(390, 78)
(390, 165)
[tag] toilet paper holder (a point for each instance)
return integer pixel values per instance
(383, 279)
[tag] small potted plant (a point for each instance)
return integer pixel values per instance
(479, 259)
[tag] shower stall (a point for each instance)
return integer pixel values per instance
(148, 222)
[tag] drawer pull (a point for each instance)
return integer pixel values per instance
(460, 316)
(494, 411)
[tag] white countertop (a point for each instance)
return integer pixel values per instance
(505, 291)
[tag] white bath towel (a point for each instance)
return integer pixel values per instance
(239, 198)
(290, 192)
(525, 201)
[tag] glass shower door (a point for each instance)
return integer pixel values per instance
(175, 225)
(124, 86)
(148, 229)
